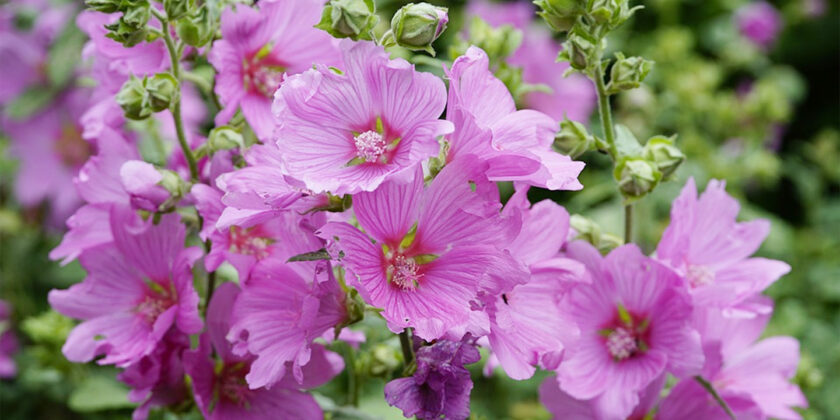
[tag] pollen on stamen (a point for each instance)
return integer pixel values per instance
(621, 344)
(370, 145)
(404, 273)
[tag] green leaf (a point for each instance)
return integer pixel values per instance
(29, 102)
(99, 393)
(318, 255)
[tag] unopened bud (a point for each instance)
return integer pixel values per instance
(578, 52)
(661, 151)
(224, 138)
(416, 26)
(628, 73)
(142, 181)
(137, 15)
(560, 15)
(585, 229)
(573, 139)
(176, 9)
(132, 98)
(636, 177)
(104, 6)
(196, 30)
(163, 90)
(353, 19)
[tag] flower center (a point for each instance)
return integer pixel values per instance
(699, 275)
(621, 343)
(72, 149)
(370, 145)
(248, 242)
(231, 384)
(403, 272)
(155, 302)
(262, 73)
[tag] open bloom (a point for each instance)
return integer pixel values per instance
(526, 325)
(515, 144)
(259, 48)
(157, 379)
(635, 324)
(440, 388)
(429, 250)
(137, 288)
(282, 309)
(563, 406)
(285, 235)
(706, 246)
(221, 390)
(753, 377)
(759, 22)
(347, 131)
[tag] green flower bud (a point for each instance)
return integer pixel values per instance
(137, 15)
(197, 30)
(416, 26)
(560, 15)
(225, 138)
(104, 6)
(661, 151)
(586, 229)
(176, 9)
(133, 99)
(498, 42)
(636, 177)
(173, 183)
(126, 34)
(611, 13)
(353, 19)
(578, 51)
(573, 139)
(628, 73)
(163, 90)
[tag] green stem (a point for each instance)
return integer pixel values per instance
(604, 110)
(175, 58)
(711, 390)
(628, 223)
(352, 378)
(407, 346)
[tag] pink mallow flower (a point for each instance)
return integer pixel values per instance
(281, 310)
(634, 320)
(759, 22)
(515, 144)
(428, 253)
(137, 289)
(753, 377)
(220, 389)
(347, 131)
(563, 406)
(710, 250)
(526, 325)
(259, 48)
(283, 236)
(157, 380)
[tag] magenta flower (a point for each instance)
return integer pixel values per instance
(141, 181)
(752, 377)
(526, 325)
(635, 324)
(759, 22)
(281, 310)
(440, 388)
(347, 131)
(515, 144)
(429, 253)
(157, 379)
(563, 406)
(259, 48)
(261, 192)
(571, 96)
(281, 237)
(710, 249)
(137, 289)
(220, 389)
(8, 343)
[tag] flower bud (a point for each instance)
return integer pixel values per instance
(573, 139)
(126, 34)
(578, 52)
(560, 15)
(416, 26)
(104, 6)
(353, 19)
(176, 9)
(132, 98)
(137, 15)
(163, 90)
(142, 181)
(628, 73)
(224, 138)
(636, 177)
(661, 151)
(585, 229)
(197, 30)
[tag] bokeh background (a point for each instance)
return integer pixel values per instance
(764, 117)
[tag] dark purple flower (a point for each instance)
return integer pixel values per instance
(440, 388)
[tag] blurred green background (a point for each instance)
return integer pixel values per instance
(768, 122)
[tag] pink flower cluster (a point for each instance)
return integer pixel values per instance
(427, 241)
